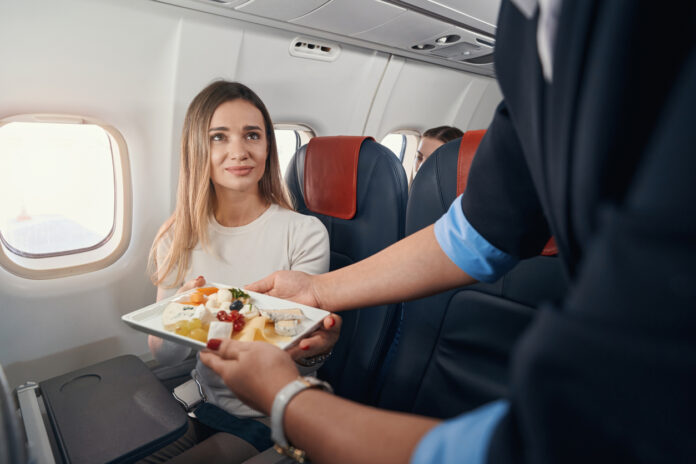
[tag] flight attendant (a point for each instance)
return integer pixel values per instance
(233, 223)
(592, 144)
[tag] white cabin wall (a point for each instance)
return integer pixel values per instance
(113, 61)
(136, 64)
(417, 96)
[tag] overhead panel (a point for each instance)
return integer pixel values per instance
(405, 30)
(427, 36)
(283, 10)
(479, 14)
(350, 17)
(416, 29)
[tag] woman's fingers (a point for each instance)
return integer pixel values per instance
(320, 341)
(191, 284)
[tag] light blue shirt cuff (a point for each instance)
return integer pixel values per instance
(468, 249)
(462, 440)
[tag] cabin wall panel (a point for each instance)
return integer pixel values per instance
(416, 95)
(333, 98)
(113, 61)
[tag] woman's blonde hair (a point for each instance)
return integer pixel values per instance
(195, 199)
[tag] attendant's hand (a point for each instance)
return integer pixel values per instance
(295, 286)
(254, 371)
(320, 341)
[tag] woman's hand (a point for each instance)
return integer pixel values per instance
(320, 341)
(295, 286)
(191, 284)
(254, 371)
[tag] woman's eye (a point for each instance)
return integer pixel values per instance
(216, 137)
(254, 136)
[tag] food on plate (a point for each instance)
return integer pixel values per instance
(213, 312)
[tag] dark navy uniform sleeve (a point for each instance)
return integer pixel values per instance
(500, 200)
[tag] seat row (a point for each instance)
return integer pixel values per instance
(439, 355)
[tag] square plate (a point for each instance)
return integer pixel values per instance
(149, 318)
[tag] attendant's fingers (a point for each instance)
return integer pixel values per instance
(263, 285)
(213, 361)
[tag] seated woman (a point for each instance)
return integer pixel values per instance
(433, 139)
(233, 224)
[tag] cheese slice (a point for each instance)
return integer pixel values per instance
(287, 328)
(176, 312)
(220, 330)
(276, 315)
(260, 329)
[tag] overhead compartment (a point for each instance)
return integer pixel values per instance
(478, 15)
(427, 36)
(282, 10)
(455, 33)
(350, 16)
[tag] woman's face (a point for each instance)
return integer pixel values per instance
(426, 148)
(238, 146)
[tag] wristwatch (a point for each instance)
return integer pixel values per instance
(313, 360)
(280, 402)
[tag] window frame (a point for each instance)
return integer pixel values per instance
(303, 134)
(58, 264)
(409, 150)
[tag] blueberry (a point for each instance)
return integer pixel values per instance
(236, 304)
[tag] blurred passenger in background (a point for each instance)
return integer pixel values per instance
(433, 139)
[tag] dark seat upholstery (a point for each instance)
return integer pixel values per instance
(363, 216)
(453, 347)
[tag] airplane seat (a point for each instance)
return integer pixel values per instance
(358, 189)
(11, 438)
(454, 346)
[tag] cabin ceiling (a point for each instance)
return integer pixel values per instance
(458, 34)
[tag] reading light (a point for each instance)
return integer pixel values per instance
(445, 39)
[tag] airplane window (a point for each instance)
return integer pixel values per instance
(396, 143)
(289, 139)
(404, 144)
(62, 184)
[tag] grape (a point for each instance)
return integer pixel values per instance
(199, 334)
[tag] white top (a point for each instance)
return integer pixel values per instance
(279, 239)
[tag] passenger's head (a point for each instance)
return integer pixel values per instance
(222, 112)
(227, 131)
(432, 139)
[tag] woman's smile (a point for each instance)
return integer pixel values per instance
(239, 170)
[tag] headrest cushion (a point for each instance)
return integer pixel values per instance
(467, 149)
(550, 249)
(331, 175)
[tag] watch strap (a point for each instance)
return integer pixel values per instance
(280, 403)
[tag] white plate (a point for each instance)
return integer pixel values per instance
(149, 318)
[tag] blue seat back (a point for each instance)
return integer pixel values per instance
(380, 198)
(453, 347)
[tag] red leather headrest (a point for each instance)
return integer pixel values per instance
(331, 175)
(467, 150)
(550, 249)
